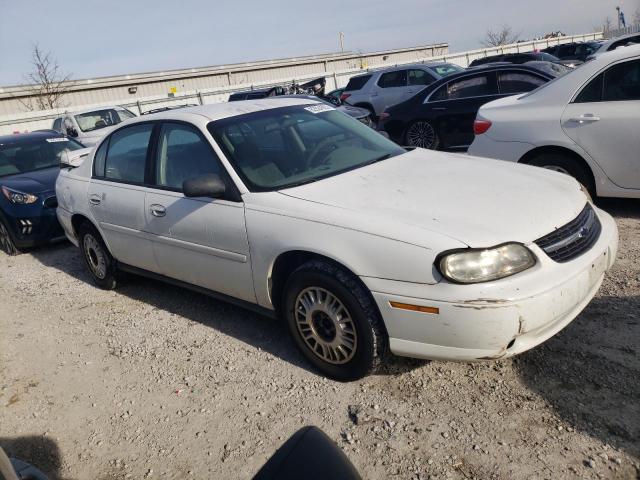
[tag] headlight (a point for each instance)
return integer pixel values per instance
(476, 266)
(21, 198)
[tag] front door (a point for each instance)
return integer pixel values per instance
(604, 119)
(201, 241)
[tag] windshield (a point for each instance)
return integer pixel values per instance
(101, 118)
(29, 154)
(284, 147)
(446, 69)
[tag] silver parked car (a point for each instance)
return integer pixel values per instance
(380, 89)
(89, 126)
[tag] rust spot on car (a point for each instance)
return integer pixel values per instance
(500, 354)
(521, 325)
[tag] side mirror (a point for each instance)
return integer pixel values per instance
(210, 185)
(72, 132)
(73, 159)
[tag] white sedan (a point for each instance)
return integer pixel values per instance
(292, 208)
(585, 124)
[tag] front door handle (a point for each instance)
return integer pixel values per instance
(95, 199)
(586, 118)
(440, 109)
(158, 210)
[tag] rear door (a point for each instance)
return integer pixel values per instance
(117, 194)
(604, 119)
(455, 105)
(201, 241)
(388, 90)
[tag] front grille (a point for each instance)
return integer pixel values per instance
(574, 238)
(51, 202)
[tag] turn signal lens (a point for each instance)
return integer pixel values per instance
(480, 126)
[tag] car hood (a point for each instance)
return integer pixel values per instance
(32, 182)
(476, 201)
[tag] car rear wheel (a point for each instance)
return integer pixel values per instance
(567, 165)
(99, 261)
(422, 134)
(6, 242)
(334, 321)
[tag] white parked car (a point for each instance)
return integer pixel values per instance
(295, 209)
(89, 126)
(585, 124)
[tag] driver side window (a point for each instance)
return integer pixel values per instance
(182, 154)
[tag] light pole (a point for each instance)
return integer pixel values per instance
(618, 10)
(341, 37)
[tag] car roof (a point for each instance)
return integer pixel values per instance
(97, 109)
(611, 41)
(20, 137)
(619, 53)
(432, 63)
(217, 111)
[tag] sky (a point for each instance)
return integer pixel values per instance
(92, 38)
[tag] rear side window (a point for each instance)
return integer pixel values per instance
(99, 159)
(126, 158)
(518, 82)
(356, 83)
(622, 82)
(477, 86)
(57, 124)
(393, 79)
(592, 92)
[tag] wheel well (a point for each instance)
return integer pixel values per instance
(527, 157)
(284, 266)
(77, 220)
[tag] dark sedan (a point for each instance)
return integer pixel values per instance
(442, 115)
(29, 166)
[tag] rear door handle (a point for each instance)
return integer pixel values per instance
(158, 210)
(586, 118)
(95, 199)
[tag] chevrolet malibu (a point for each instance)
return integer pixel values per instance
(295, 210)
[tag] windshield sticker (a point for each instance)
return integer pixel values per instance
(57, 139)
(319, 108)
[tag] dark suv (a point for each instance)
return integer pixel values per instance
(573, 51)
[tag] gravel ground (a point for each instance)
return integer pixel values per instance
(152, 381)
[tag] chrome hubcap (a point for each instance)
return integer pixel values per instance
(95, 257)
(325, 325)
(421, 134)
(556, 168)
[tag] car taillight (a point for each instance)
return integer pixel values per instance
(480, 126)
(344, 96)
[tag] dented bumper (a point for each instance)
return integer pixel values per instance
(498, 319)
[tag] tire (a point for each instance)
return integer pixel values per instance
(99, 262)
(7, 244)
(422, 134)
(341, 350)
(567, 165)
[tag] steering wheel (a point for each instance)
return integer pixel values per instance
(312, 161)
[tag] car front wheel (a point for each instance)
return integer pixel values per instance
(6, 242)
(334, 321)
(99, 261)
(422, 134)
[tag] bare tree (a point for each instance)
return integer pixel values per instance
(503, 36)
(47, 82)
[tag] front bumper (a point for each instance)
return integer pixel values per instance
(496, 319)
(33, 225)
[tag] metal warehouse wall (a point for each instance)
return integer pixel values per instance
(214, 84)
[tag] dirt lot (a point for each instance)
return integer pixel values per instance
(151, 381)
